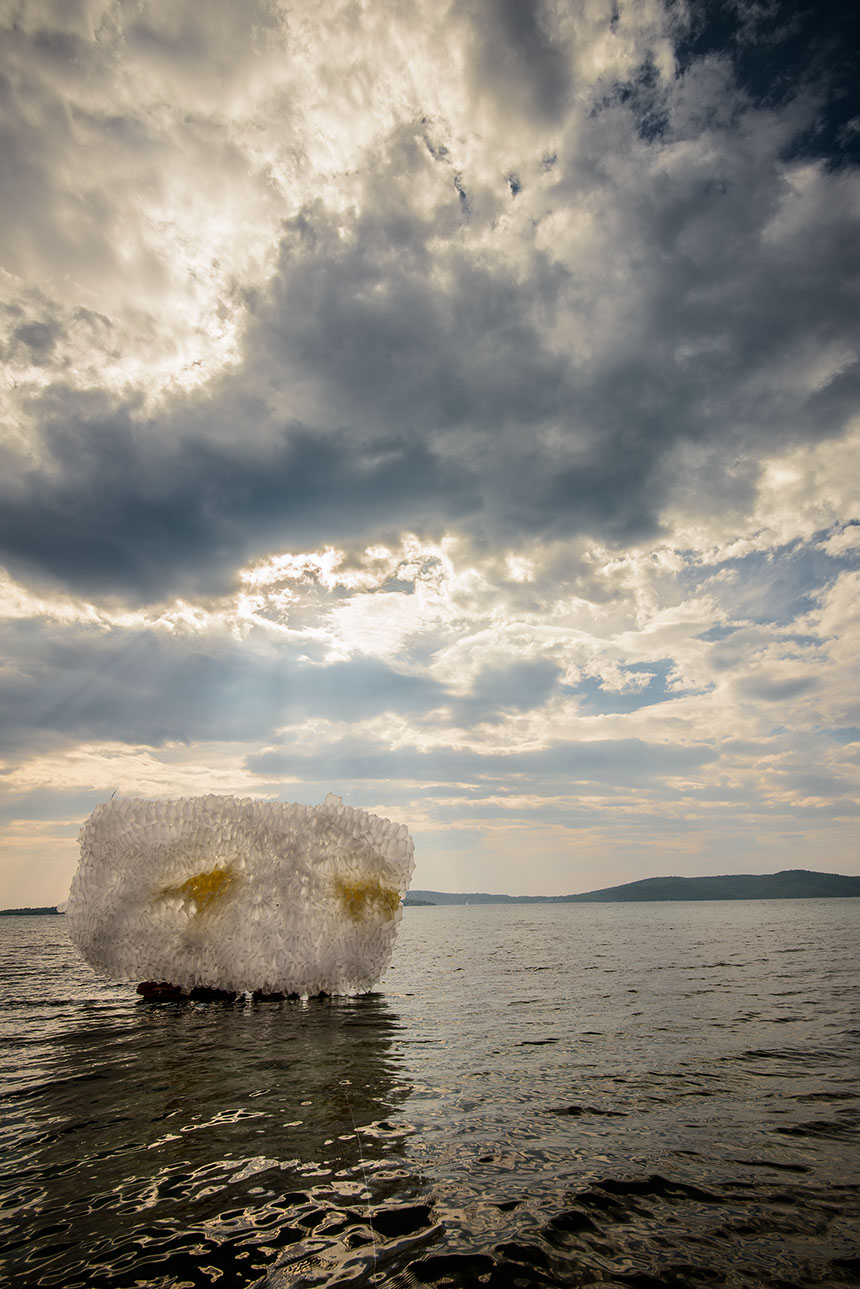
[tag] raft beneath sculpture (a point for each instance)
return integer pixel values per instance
(240, 895)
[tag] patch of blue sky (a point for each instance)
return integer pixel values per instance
(774, 586)
(716, 633)
(843, 734)
(595, 700)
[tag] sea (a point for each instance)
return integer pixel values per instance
(647, 1095)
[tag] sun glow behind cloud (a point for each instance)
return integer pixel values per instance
(486, 684)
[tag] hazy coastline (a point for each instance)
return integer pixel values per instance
(791, 884)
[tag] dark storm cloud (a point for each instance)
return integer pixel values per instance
(109, 512)
(406, 366)
(358, 307)
(443, 390)
(781, 49)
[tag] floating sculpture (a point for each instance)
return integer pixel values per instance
(223, 893)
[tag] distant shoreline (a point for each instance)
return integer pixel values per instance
(30, 912)
(791, 884)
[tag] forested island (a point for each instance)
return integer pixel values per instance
(28, 912)
(792, 884)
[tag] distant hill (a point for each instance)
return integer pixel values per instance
(792, 884)
(9, 913)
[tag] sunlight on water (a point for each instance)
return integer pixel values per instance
(616, 1094)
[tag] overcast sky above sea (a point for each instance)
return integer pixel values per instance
(452, 406)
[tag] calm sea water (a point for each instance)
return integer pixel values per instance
(631, 1094)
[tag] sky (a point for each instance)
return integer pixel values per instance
(451, 406)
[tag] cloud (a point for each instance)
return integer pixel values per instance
(516, 57)
(151, 687)
(613, 762)
(107, 512)
(531, 366)
(781, 53)
(462, 395)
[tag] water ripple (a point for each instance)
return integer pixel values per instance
(462, 1130)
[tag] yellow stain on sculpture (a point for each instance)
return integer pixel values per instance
(205, 890)
(360, 896)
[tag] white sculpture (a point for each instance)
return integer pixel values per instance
(237, 894)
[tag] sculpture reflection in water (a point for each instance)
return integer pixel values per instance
(184, 1143)
(225, 895)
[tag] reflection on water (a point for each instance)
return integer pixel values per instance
(169, 1141)
(576, 1095)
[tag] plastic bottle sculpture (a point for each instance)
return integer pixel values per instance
(234, 894)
